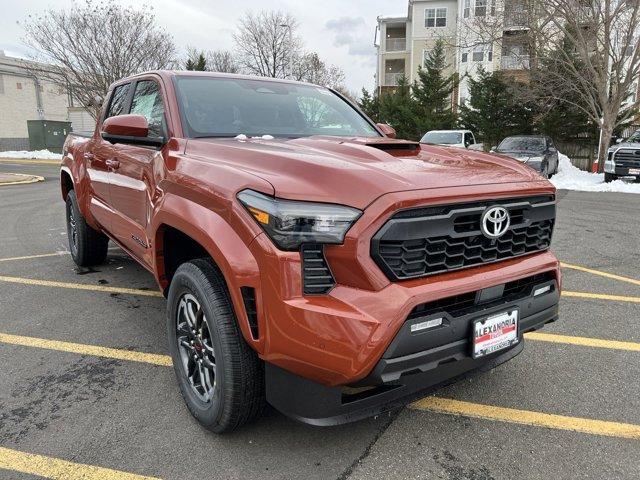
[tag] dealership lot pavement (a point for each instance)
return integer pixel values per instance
(564, 407)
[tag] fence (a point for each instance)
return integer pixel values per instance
(582, 151)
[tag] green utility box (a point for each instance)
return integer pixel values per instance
(47, 134)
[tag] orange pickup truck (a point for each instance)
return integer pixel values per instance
(309, 258)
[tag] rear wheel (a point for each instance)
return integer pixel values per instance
(609, 177)
(87, 245)
(221, 378)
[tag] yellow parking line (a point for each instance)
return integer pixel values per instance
(26, 161)
(601, 296)
(80, 286)
(583, 341)
(82, 349)
(55, 468)
(29, 257)
(526, 417)
(29, 179)
(600, 273)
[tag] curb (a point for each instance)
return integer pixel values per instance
(27, 161)
(20, 179)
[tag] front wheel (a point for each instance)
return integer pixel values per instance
(221, 378)
(609, 177)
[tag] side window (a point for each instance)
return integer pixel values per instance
(118, 100)
(147, 101)
(468, 139)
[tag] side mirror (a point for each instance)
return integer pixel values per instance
(619, 140)
(493, 149)
(387, 130)
(129, 129)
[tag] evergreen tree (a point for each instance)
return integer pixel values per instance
(398, 109)
(198, 63)
(432, 92)
(370, 105)
(494, 111)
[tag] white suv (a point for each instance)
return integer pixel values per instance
(451, 138)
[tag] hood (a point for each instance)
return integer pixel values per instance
(625, 145)
(356, 171)
(523, 156)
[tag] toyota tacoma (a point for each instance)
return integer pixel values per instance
(309, 258)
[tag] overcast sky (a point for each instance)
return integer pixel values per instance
(341, 31)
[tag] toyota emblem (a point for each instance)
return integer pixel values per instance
(495, 222)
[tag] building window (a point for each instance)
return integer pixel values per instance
(435, 17)
(466, 12)
(19, 86)
(490, 54)
(465, 57)
(481, 8)
(493, 7)
(1, 84)
(478, 54)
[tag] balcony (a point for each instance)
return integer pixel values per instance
(396, 44)
(516, 21)
(392, 79)
(513, 62)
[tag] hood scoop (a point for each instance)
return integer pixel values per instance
(385, 147)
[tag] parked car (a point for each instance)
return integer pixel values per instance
(450, 138)
(536, 151)
(309, 259)
(623, 159)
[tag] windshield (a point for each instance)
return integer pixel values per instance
(226, 107)
(442, 138)
(635, 138)
(521, 144)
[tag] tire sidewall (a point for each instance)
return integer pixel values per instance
(186, 281)
(72, 204)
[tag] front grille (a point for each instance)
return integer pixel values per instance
(425, 241)
(460, 305)
(627, 158)
(316, 275)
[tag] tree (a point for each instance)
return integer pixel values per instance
(267, 43)
(398, 109)
(432, 92)
(222, 61)
(370, 105)
(73, 41)
(195, 60)
(310, 68)
(602, 63)
(494, 111)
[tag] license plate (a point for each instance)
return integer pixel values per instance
(494, 333)
(634, 171)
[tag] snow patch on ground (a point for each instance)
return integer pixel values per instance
(570, 177)
(36, 155)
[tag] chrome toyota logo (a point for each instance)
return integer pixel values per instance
(495, 222)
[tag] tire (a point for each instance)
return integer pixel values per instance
(87, 246)
(609, 177)
(230, 393)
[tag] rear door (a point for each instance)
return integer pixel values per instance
(132, 180)
(99, 156)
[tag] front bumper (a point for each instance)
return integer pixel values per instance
(413, 365)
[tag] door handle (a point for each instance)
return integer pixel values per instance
(113, 163)
(88, 156)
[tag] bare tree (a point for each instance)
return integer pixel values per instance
(310, 68)
(222, 61)
(595, 46)
(267, 43)
(92, 45)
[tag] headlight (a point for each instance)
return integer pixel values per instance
(291, 223)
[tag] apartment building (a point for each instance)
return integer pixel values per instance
(25, 95)
(403, 42)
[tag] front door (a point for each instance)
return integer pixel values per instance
(132, 182)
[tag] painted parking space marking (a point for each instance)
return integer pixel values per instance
(55, 468)
(601, 296)
(583, 341)
(600, 273)
(30, 257)
(27, 161)
(80, 286)
(526, 417)
(83, 349)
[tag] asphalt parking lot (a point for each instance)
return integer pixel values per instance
(79, 397)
